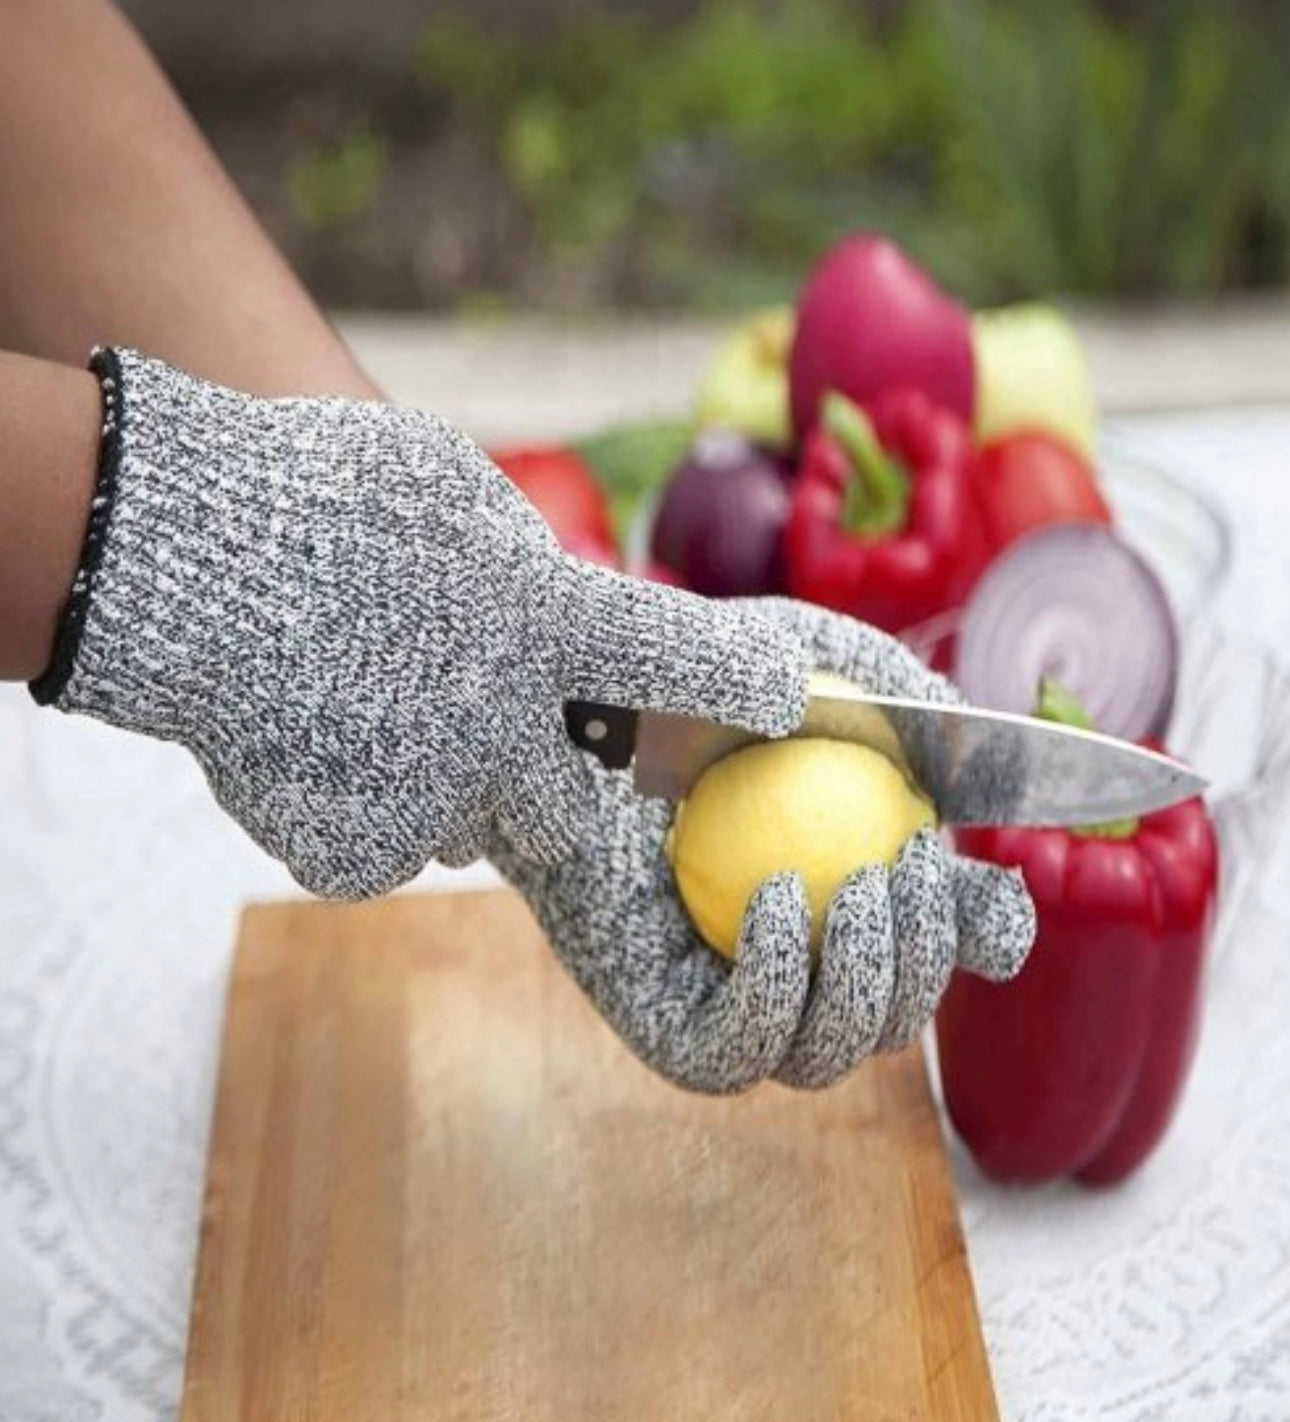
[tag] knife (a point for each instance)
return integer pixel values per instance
(978, 767)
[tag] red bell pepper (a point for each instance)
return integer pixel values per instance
(1031, 479)
(1076, 1066)
(884, 523)
(564, 490)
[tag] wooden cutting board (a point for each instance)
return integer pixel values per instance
(440, 1189)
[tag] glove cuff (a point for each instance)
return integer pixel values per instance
(47, 688)
(141, 642)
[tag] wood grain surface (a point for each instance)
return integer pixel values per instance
(439, 1189)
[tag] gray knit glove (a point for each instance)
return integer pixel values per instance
(891, 940)
(366, 635)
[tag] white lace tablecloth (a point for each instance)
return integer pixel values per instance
(120, 887)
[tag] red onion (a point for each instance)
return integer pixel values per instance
(1075, 604)
(719, 521)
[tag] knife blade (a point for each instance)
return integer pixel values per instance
(979, 767)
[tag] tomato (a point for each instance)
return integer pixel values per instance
(1031, 479)
(566, 493)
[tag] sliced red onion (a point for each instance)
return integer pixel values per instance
(1076, 604)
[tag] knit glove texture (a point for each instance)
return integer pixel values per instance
(366, 635)
(892, 937)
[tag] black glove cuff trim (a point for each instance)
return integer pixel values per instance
(71, 624)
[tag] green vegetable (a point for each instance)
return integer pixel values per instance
(631, 461)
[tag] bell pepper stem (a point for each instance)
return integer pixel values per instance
(1056, 703)
(878, 497)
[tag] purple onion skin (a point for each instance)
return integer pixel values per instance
(1076, 604)
(719, 521)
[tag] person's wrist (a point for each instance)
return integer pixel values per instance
(56, 428)
(71, 614)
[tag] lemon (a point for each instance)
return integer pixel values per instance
(819, 806)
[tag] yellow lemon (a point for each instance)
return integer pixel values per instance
(819, 806)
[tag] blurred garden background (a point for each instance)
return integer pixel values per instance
(696, 155)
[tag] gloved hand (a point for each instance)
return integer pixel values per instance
(892, 938)
(365, 634)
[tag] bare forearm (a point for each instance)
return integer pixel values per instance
(118, 226)
(50, 416)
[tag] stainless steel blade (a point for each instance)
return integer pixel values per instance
(979, 767)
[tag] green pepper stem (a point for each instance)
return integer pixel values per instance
(878, 497)
(1055, 703)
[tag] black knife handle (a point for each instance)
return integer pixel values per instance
(608, 732)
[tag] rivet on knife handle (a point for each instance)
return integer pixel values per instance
(608, 732)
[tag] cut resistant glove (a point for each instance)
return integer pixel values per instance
(365, 634)
(892, 937)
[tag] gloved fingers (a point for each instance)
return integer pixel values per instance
(850, 996)
(351, 879)
(996, 919)
(635, 643)
(738, 1034)
(293, 821)
(923, 914)
(380, 852)
(873, 659)
(546, 805)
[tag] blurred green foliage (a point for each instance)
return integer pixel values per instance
(1107, 158)
(331, 183)
(702, 154)
(1014, 147)
(748, 132)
